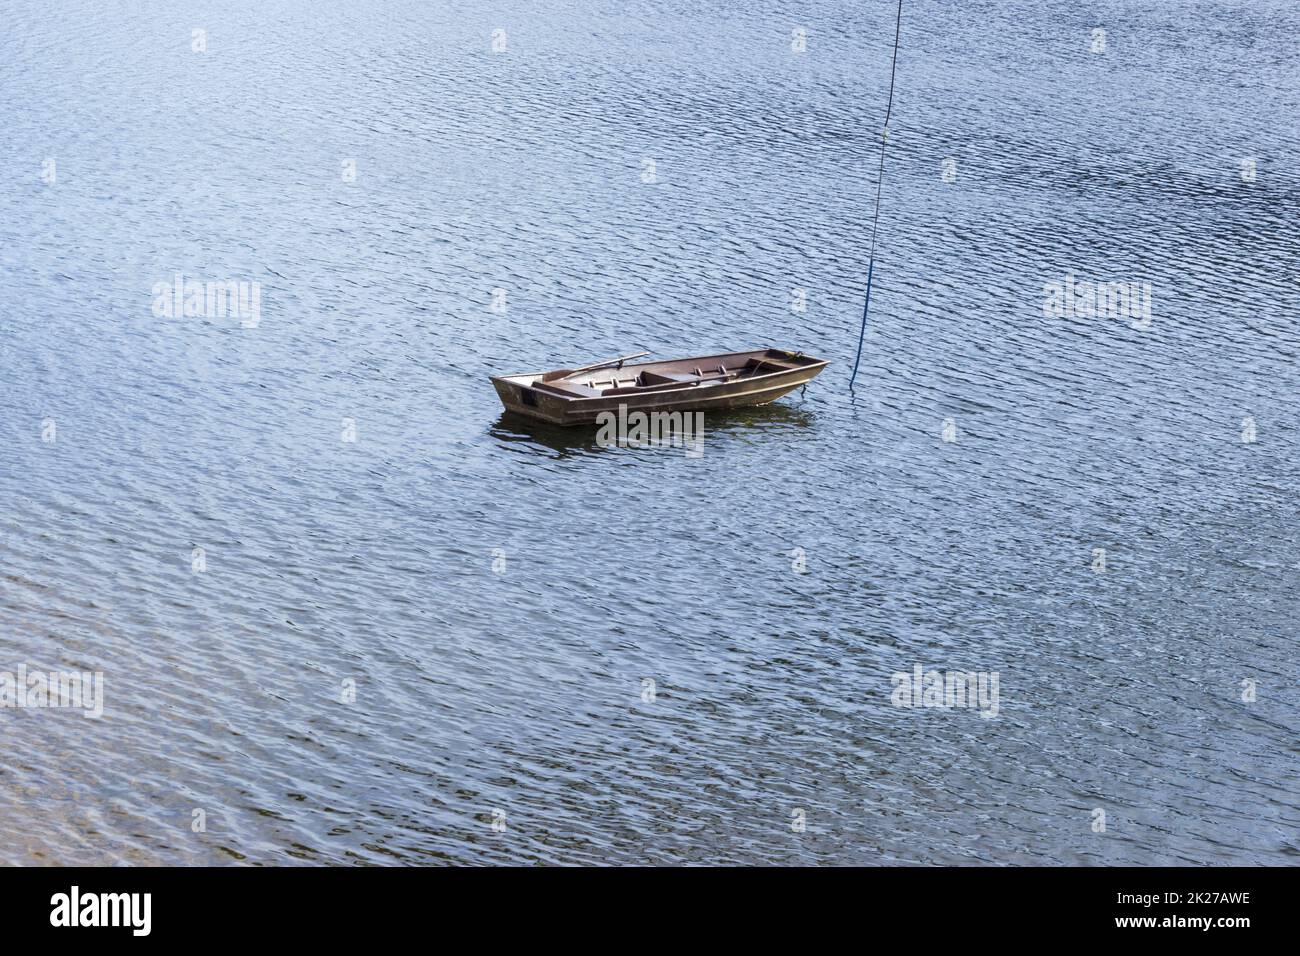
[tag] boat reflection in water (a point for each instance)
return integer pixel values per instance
(769, 421)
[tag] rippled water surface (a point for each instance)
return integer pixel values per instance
(518, 694)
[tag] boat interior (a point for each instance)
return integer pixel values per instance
(680, 373)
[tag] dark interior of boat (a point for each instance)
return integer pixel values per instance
(662, 376)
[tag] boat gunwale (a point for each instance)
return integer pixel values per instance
(815, 363)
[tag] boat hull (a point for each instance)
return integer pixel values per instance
(518, 395)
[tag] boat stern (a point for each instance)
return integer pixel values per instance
(518, 396)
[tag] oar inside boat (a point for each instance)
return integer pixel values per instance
(566, 372)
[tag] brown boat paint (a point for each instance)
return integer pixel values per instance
(703, 383)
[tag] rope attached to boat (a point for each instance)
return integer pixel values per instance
(875, 223)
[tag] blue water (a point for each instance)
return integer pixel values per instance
(517, 694)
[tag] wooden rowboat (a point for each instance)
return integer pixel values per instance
(703, 383)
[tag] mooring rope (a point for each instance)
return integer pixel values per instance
(880, 176)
